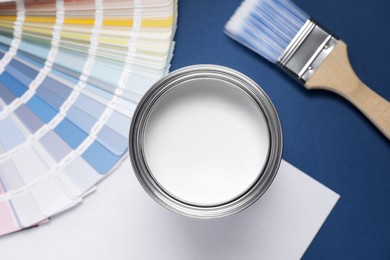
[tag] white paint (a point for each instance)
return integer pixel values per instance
(206, 142)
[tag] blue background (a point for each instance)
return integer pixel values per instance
(324, 135)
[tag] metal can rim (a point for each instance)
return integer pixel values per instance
(144, 109)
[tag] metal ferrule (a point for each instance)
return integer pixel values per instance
(307, 50)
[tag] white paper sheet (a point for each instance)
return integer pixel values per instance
(120, 221)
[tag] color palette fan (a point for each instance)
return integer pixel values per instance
(71, 74)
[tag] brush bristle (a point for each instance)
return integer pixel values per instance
(266, 26)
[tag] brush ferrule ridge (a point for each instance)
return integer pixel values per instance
(306, 51)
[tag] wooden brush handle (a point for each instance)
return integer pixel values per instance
(336, 74)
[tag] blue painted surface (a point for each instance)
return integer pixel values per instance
(324, 135)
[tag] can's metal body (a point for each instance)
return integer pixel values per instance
(145, 108)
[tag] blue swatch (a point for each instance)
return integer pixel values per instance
(70, 133)
(7, 129)
(100, 158)
(17, 88)
(41, 109)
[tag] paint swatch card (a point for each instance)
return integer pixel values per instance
(71, 75)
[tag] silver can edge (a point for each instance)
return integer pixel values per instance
(145, 107)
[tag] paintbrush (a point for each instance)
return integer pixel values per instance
(284, 34)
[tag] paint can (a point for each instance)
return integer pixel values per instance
(189, 129)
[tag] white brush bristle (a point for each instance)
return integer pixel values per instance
(266, 26)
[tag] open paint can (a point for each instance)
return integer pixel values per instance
(205, 141)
